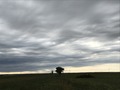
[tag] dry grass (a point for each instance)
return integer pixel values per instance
(101, 81)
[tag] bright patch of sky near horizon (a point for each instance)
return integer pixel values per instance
(39, 35)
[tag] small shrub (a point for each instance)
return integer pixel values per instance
(85, 76)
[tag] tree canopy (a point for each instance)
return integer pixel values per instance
(59, 70)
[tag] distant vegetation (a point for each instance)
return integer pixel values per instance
(59, 70)
(101, 81)
(86, 75)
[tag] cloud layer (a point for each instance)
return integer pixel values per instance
(42, 34)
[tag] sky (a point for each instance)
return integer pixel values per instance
(36, 36)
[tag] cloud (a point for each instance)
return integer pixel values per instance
(41, 34)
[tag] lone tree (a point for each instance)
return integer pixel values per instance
(59, 70)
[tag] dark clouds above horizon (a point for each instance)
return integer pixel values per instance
(43, 34)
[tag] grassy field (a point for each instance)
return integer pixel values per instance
(101, 81)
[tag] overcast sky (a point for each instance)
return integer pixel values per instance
(39, 35)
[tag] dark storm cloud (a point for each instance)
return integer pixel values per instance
(17, 16)
(42, 34)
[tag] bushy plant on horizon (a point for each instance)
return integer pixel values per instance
(59, 70)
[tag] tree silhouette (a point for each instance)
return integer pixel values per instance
(59, 70)
(52, 72)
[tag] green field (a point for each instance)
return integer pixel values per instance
(101, 81)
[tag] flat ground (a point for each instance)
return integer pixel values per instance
(101, 81)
